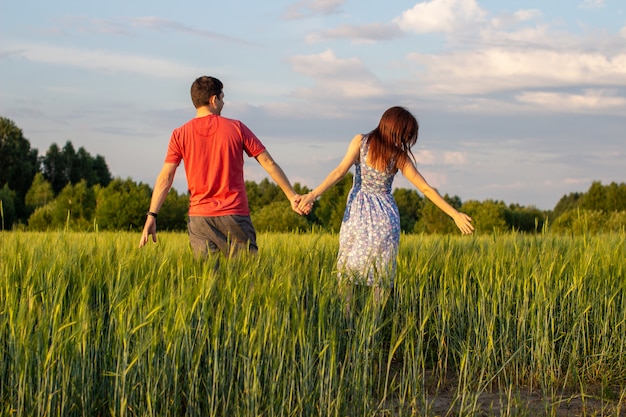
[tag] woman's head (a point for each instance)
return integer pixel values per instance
(394, 136)
(398, 127)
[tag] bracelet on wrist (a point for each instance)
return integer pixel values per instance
(151, 213)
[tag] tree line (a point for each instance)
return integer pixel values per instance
(69, 189)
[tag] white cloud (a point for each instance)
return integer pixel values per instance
(441, 16)
(167, 25)
(592, 4)
(454, 158)
(306, 8)
(515, 54)
(83, 25)
(425, 157)
(358, 34)
(325, 6)
(573, 181)
(497, 69)
(515, 18)
(337, 77)
(429, 157)
(538, 36)
(101, 60)
(591, 100)
(129, 26)
(529, 14)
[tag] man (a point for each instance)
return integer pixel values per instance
(212, 147)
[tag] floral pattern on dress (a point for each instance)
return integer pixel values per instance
(370, 230)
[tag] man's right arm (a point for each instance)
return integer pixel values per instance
(279, 177)
(161, 189)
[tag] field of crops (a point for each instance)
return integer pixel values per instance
(482, 325)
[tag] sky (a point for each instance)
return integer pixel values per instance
(518, 101)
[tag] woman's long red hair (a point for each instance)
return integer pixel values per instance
(392, 139)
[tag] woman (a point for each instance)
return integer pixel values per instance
(370, 230)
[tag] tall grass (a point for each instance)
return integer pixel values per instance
(92, 326)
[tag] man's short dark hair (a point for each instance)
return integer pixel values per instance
(203, 88)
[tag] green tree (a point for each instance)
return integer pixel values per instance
(73, 168)
(93, 170)
(567, 203)
(300, 189)
(489, 216)
(174, 212)
(101, 171)
(74, 207)
(253, 194)
(615, 197)
(595, 198)
(41, 219)
(53, 164)
(580, 221)
(7, 208)
(434, 220)
(262, 194)
(39, 194)
(278, 217)
(122, 205)
(68, 166)
(18, 163)
(409, 206)
(524, 219)
(329, 210)
(616, 221)
(583, 210)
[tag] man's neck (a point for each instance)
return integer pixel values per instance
(204, 111)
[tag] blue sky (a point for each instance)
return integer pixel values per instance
(519, 101)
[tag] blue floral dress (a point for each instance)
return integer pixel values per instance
(370, 230)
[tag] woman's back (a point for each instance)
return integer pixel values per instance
(369, 179)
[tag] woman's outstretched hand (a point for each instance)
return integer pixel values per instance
(464, 223)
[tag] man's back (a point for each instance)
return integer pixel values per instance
(212, 148)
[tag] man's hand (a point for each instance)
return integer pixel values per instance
(295, 201)
(148, 229)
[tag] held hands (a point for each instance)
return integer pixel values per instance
(306, 203)
(295, 202)
(302, 204)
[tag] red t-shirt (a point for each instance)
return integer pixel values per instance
(212, 148)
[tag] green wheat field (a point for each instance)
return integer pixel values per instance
(511, 325)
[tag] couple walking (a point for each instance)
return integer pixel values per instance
(212, 149)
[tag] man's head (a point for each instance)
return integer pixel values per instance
(207, 91)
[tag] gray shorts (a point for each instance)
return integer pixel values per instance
(228, 234)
